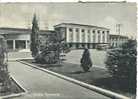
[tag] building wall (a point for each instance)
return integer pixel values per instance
(17, 36)
(76, 34)
(116, 41)
(84, 33)
(18, 41)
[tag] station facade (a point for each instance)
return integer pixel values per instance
(80, 36)
(76, 36)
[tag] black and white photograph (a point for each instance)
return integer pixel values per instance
(68, 50)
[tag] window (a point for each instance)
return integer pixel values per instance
(77, 45)
(77, 35)
(89, 37)
(93, 31)
(103, 37)
(88, 31)
(98, 36)
(71, 35)
(107, 36)
(83, 35)
(94, 37)
(10, 44)
(70, 45)
(82, 30)
(70, 30)
(107, 31)
(77, 30)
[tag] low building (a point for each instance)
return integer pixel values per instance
(18, 38)
(75, 35)
(80, 36)
(117, 40)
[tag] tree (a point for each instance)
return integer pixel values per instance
(34, 37)
(50, 52)
(86, 62)
(121, 64)
(4, 74)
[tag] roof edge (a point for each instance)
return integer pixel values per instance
(81, 25)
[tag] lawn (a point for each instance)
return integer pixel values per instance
(96, 76)
(98, 57)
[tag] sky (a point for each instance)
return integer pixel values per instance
(19, 15)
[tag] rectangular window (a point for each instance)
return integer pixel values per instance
(70, 30)
(83, 35)
(77, 35)
(71, 34)
(103, 37)
(98, 36)
(93, 31)
(82, 30)
(94, 37)
(77, 30)
(10, 44)
(89, 37)
(107, 36)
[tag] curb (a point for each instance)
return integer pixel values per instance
(15, 59)
(102, 91)
(18, 94)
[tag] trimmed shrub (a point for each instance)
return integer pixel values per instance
(86, 62)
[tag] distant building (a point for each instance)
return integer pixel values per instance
(80, 36)
(117, 40)
(75, 35)
(18, 38)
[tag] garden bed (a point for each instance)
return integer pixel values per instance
(96, 76)
(16, 90)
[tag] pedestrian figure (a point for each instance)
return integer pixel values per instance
(86, 62)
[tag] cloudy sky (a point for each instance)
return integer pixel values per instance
(49, 14)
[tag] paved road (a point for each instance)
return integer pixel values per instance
(41, 85)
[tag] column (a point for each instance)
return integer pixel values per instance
(106, 36)
(101, 36)
(14, 45)
(67, 34)
(96, 36)
(74, 35)
(86, 36)
(80, 34)
(91, 35)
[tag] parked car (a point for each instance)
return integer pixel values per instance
(102, 47)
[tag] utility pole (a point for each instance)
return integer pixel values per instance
(118, 31)
(118, 28)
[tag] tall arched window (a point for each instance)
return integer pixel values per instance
(83, 35)
(99, 36)
(77, 35)
(103, 37)
(94, 36)
(89, 36)
(71, 34)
